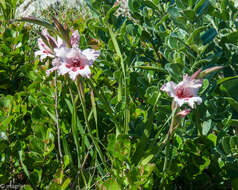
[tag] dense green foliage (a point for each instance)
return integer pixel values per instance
(112, 126)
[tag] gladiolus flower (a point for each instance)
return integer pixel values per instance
(76, 62)
(185, 91)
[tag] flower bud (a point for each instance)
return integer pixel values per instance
(209, 70)
(183, 113)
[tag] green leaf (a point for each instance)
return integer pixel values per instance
(175, 43)
(234, 144)
(201, 6)
(149, 68)
(150, 4)
(27, 187)
(147, 159)
(195, 35)
(205, 85)
(231, 87)
(110, 184)
(20, 153)
(213, 138)
(206, 126)
(230, 38)
(232, 102)
(174, 69)
(38, 21)
(226, 144)
(208, 36)
(66, 183)
(220, 81)
(189, 14)
(118, 51)
(5, 123)
(111, 12)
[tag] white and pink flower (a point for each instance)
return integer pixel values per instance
(75, 61)
(185, 92)
(66, 60)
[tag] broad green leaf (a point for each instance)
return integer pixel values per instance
(5, 123)
(190, 14)
(174, 69)
(230, 38)
(230, 87)
(147, 159)
(195, 36)
(66, 183)
(234, 144)
(111, 12)
(226, 144)
(205, 85)
(213, 138)
(201, 6)
(208, 36)
(206, 127)
(233, 103)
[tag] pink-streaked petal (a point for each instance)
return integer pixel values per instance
(56, 62)
(62, 69)
(91, 54)
(169, 87)
(183, 113)
(73, 75)
(191, 101)
(61, 52)
(75, 39)
(179, 101)
(60, 42)
(41, 44)
(43, 55)
(49, 71)
(85, 72)
(71, 53)
(45, 33)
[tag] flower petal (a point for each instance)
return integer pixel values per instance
(60, 42)
(61, 52)
(85, 72)
(169, 87)
(75, 39)
(91, 55)
(179, 101)
(191, 101)
(62, 69)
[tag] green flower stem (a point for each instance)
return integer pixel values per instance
(83, 102)
(118, 51)
(197, 123)
(74, 126)
(103, 99)
(57, 119)
(166, 141)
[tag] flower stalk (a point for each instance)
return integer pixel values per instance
(57, 119)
